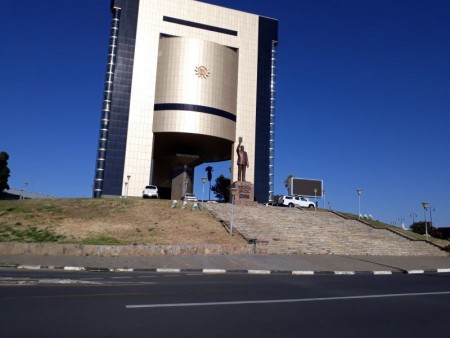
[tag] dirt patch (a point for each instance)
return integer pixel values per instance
(118, 221)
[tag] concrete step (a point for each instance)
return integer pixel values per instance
(292, 230)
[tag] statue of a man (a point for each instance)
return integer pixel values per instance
(242, 161)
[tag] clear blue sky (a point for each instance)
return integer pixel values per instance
(363, 98)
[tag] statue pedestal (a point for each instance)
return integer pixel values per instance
(244, 194)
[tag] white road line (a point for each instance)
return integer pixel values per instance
(259, 272)
(167, 270)
(303, 272)
(443, 270)
(74, 268)
(214, 271)
(414, 272)
(29, 267)
(382, 272)
(275, 301)
(344, 272)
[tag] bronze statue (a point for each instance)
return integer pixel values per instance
(242, 161)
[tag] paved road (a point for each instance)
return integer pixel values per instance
(196, 305)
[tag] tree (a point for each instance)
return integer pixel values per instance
(287, 182)
(419, 228)
(209, 170)
(222, 188)
(4, 171)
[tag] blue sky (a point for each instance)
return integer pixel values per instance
(362, 98)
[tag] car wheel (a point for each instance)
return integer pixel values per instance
(291, 205)
(311, 206)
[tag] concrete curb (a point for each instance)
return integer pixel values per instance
(225, 271)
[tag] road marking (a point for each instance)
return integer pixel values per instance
(214, 271)
(443, 270)
(344, 272)
(277, 301)
(29, 267)
(167, 270)
(259, 272)
(382, 272)
(303, 272)
(74, 268)
(414, 272)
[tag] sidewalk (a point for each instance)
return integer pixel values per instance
(307, 264)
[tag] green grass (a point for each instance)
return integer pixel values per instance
(28, 234)
(101, 240)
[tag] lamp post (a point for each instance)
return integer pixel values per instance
(233, 193)
(22, 193)
(323, 194)
(315, 196)
(126, 185)
(359, 192)
(203, 191)
(425, 207)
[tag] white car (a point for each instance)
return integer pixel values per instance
(296, 201)
(189, 197)
(150, 191)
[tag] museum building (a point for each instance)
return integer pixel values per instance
(184, 81)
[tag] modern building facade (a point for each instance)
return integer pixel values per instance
(184, 81)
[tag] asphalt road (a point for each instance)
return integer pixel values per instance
(225, 305)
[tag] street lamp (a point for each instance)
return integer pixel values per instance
(359, 192)
(233, 193)
(126, 185)
(22, 194)
(203, 191)
(315, 196)
(425, 207)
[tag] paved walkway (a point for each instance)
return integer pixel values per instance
(286, 263)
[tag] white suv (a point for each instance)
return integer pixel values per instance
(150, 191)
(296, 201)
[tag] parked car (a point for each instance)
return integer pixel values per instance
(189, 197)
(150, 191)
(296, 201)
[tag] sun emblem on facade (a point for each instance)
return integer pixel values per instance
(202, 72)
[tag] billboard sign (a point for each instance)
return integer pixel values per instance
(306, 187)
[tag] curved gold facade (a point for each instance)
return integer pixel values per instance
(196, 88)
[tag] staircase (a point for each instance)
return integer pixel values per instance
(298, 231)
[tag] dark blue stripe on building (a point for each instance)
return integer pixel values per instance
(196, 108)
(200, 25)
(118, 125)
(268, 32)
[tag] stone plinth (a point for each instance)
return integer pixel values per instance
(245, 194)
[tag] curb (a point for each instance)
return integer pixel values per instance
(225, 271)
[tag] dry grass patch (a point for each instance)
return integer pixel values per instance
(114, 221)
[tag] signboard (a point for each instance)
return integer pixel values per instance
(305, 187)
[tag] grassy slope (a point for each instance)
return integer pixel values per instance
(108, 221)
